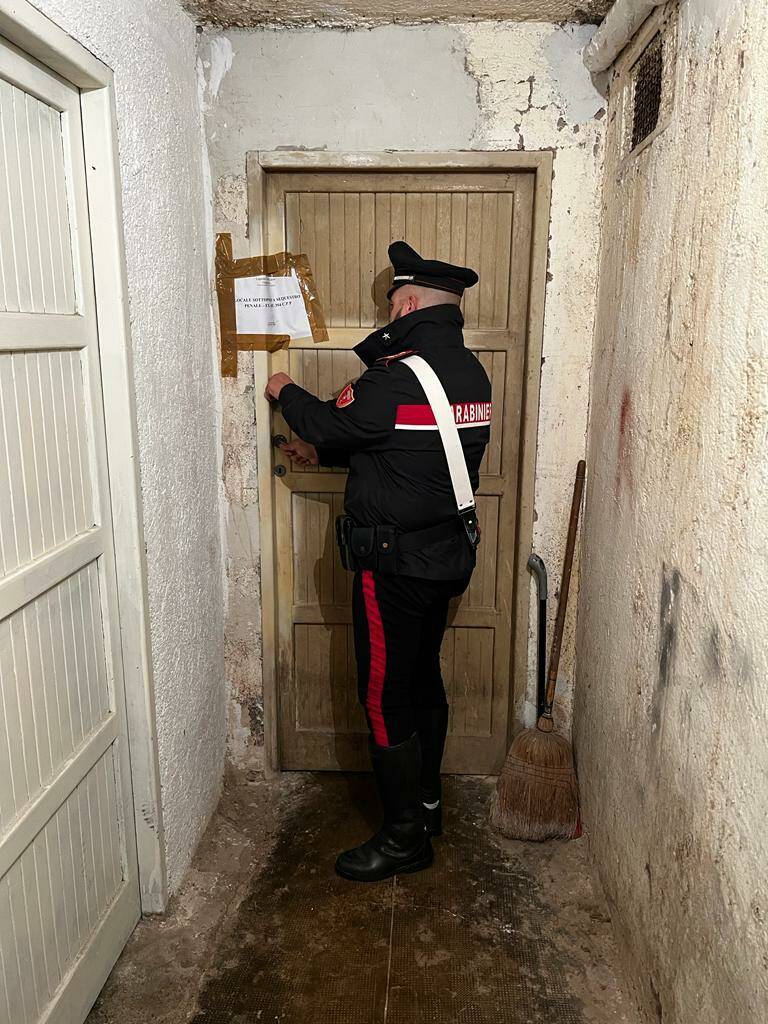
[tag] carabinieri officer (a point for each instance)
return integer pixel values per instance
(403, 536)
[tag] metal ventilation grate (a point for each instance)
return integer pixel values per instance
(647, 78)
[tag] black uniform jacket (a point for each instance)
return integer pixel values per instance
(381, 427)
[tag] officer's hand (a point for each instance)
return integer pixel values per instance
(301, 452)
(275, 385)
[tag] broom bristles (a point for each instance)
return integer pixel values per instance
(537, 796)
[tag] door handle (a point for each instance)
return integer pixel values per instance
(277, 440)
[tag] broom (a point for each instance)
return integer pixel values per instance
(537, 795)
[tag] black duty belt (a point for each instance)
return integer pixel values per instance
(378, 547)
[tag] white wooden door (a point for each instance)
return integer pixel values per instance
(69, 894)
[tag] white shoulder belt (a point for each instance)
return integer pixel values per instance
(449, 436)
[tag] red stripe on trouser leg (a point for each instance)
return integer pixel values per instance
(378, 665)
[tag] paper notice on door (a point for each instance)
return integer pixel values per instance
(271, 304)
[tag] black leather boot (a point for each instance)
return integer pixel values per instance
(432, 725)
(401, 845)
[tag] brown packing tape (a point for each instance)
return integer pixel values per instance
(231, 344)
(225, 291)
(280, 264)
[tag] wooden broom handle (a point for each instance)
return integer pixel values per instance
(562, 602)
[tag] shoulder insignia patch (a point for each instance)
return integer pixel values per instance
(346, 397)
(386, 360)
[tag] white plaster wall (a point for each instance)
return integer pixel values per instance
(475, 86)
(672, 716)
(150, 45)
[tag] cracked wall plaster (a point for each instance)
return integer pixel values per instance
(159, 141)
(479, 86)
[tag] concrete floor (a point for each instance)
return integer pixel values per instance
(263, 930)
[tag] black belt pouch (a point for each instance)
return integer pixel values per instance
(344, 525)
(386, 549)
(366, 547)
(362, 541)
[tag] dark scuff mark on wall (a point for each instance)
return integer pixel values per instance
(668, 623)
(657, 1001)
(255, 709)
(715, 651)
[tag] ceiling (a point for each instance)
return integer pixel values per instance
(345, 13)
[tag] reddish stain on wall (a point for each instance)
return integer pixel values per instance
(624, 452)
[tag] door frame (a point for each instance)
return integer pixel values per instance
(539, 162)
(40, 38)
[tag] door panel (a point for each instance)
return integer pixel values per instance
(68, 875)
(36, 265)
(56, 638)
(43, 445)
(344, 222)
(355, 228)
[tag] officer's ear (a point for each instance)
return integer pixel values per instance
(411, 305)
(404, 302)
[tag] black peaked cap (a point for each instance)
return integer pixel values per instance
(410, 268)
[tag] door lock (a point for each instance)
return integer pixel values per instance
(279, 470)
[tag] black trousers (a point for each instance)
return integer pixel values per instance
(399, 622)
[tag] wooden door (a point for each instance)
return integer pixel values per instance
(345, 221)
(69, 894)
